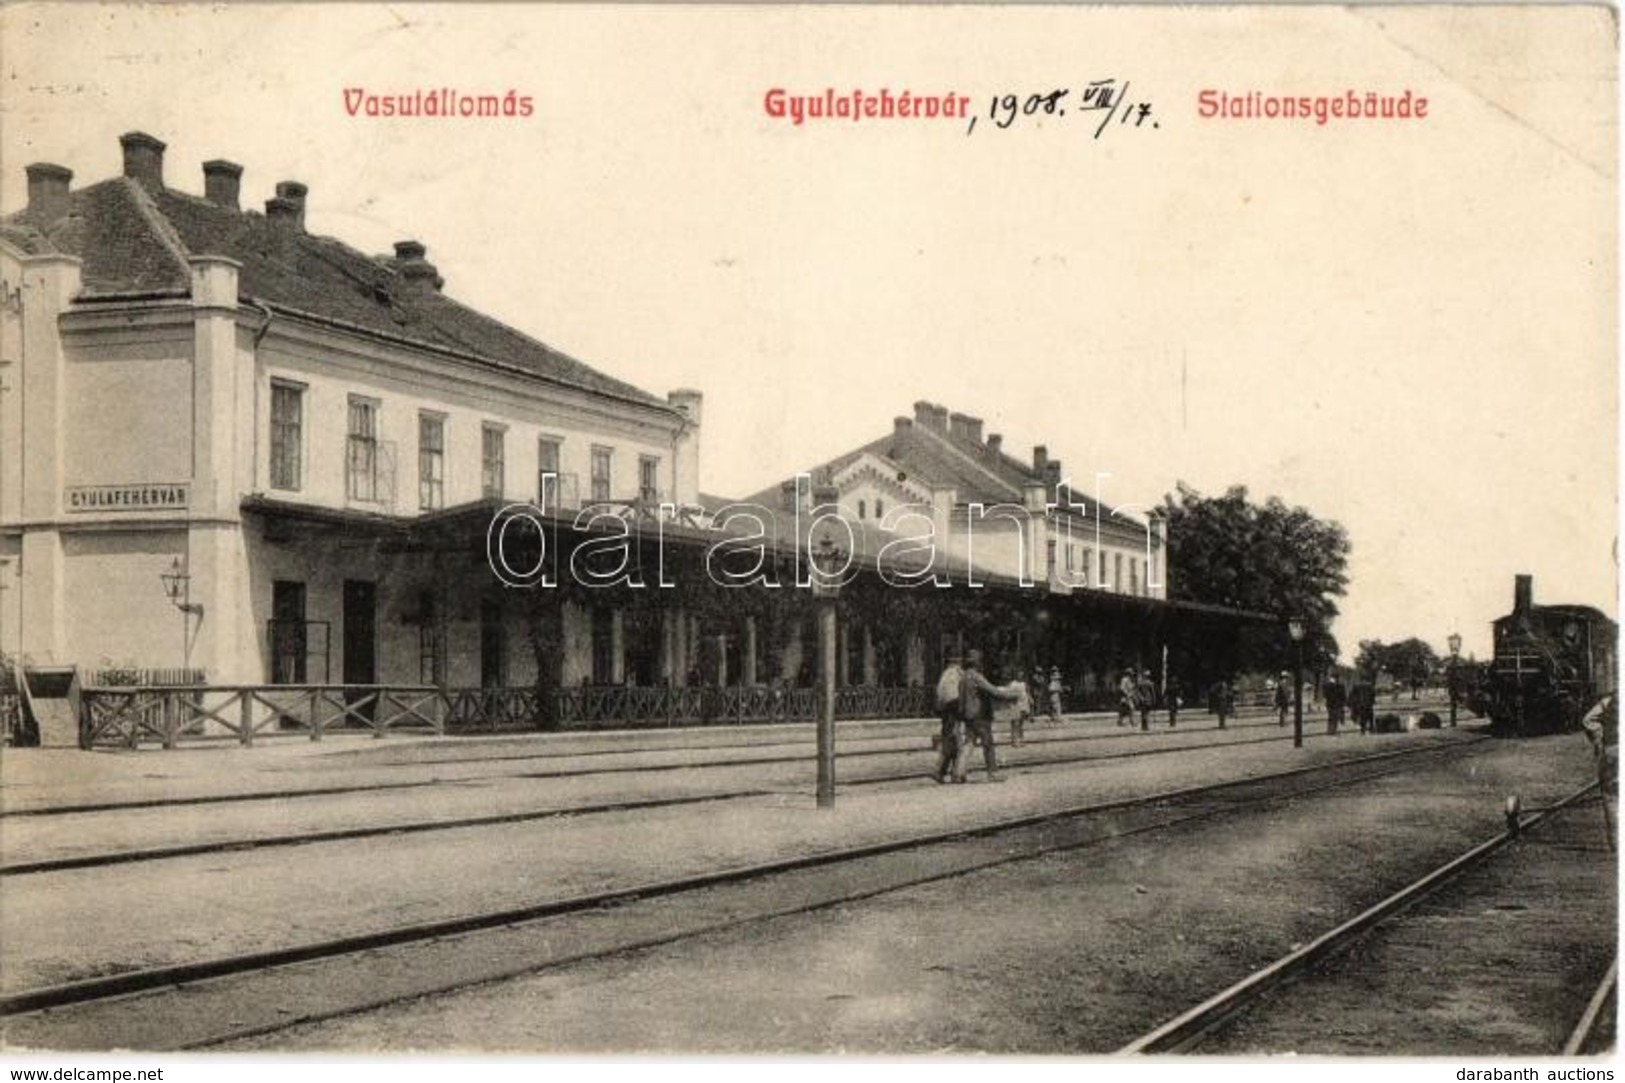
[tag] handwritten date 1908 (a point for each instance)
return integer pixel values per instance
(1102, 100)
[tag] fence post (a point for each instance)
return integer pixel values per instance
(315, 719)
(245, 732)
(171, 720)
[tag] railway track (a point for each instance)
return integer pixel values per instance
(897, 746)
(212, 1001)
(1189, 1031)
(915, 773)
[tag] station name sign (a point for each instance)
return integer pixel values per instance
(147, 497)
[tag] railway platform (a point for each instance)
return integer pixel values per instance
(37, 778)
(465, 839)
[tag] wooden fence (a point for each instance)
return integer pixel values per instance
(131, 716)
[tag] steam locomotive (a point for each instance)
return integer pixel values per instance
(1552, 663)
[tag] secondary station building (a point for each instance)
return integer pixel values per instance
(991, 511)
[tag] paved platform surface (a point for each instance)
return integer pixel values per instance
(225, 903)
(43, 778)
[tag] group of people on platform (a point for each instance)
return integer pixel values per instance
(1360, 701)
(969, 705)
(1137, 693)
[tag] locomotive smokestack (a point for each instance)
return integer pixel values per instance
(1523, 593)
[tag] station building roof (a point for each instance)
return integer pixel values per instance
(943, 450)
(133, 235)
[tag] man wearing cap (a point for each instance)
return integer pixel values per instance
(1224, 700)
(1125, 699)
(1283, 699)
(976, 696)
(1336, 697)
(953, 726)
(1145, 696)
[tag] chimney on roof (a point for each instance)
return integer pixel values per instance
(995, 443)
(922, 414)
(788, 495)
(939, 419)
(1033, 496)
(900, 425)
(47, 191)
(416, 271)
(965, 427)
(222, 183)
(1523, 594)
(1040, 457)
(1052, 473)
(294, 193)
(143, 159)
(282, 213)
(689, 402)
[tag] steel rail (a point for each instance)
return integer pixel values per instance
(132, 981)
(331, 791)
(159, 853)
(1189, 1027)
(1593, 1014)
(913, 880)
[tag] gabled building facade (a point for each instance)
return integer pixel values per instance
(194, 389)
(936, 475)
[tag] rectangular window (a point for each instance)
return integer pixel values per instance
(287, 435)
(648, 479)
(363, 449)
(492, 454)
(429, 647)
(431, 461)
(1117, 572)
(1133, 576)
(548, 454)
(602, 463)
(493, 646)
(603, 645)
(289, 643)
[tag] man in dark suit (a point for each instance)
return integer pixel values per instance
(976, 696)
(1336, 700)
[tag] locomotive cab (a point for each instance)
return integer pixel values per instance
(1552, 664)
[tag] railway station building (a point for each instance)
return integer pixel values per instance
(194, 386)
(238, 453)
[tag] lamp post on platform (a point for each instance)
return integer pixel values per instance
(178, 589)
(1455, 657)
(827, 563)
(1295, 628)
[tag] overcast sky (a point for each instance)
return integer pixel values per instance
(1408, 327)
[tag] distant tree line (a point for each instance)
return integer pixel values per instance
(1411, 662)
(1270, 558)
